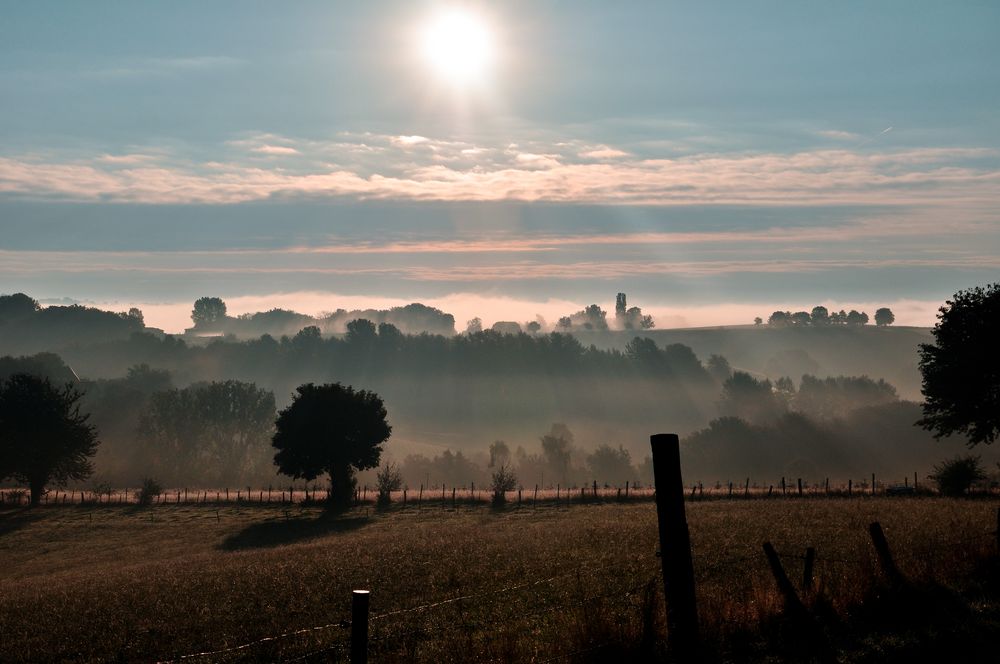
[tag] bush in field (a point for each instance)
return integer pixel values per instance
(388, 479)
(955, 477)
(503, 480)
(148, 491)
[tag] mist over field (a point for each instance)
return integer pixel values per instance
(568, 405)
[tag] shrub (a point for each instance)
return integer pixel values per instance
(503, 480)
(388, 479)
(955, 477)
(148, 491)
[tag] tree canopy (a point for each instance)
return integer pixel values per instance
(961, 369)
(332, 429)
(44, 438)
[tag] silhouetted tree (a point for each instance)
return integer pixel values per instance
(565, 323)
(801, 318)
(330, 429)
(961, 369)
(533, 327)
(474, 326)
(857, 318)
(621, 309)
(136, 314)
(18, 305)
(779, 318)
(43, 436)
(361, 332)
(208, 311)
(506, 327)
(884, 317)
(758, 321)
(820, 316)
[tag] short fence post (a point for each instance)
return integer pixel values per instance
(675, 545)
(359, 626)
(770, 490)
(850, 486)
(746, 489)
(595, 488)
(885, 560)
(807, 570)
(783, 491)
(800, 486)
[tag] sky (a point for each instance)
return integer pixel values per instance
(714, 160)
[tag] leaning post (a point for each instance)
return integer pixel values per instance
(359, 626)
(675, 545)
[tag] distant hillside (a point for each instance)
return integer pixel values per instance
(880, 352)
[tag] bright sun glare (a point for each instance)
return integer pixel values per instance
(458, 46)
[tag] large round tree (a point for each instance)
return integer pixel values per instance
(334, 430)
(961, 369)
(43, 436)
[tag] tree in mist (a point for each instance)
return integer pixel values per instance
(745, 397)
(361, 332)
(502, 480)
(636, 320)
(44, 438)
(819, 316)
(884, 317)
(533, 327)
(499, 454)
(208, 311)
(831, 397)
(718, 367)
(564, 323)
(208, 432)
(608, 464)
(330, 429)
(621, 307)
(758, 321)
(557, 447)
(474, 326)
(961, 369)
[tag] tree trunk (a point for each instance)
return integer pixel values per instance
(341, 487)
(37, 488)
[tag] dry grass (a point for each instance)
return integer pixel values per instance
(121, 583)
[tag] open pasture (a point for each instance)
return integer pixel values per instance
(576, 583)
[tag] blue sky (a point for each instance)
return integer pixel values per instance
(710, 159)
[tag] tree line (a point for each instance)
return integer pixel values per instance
(820, 316)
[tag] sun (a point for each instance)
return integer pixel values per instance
(458, 46)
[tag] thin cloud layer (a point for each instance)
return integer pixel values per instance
(417, 168)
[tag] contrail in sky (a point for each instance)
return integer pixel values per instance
(881, 133)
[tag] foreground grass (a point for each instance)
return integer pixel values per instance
(580, 583)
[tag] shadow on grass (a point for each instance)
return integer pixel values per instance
(290, 530)
(15, 519)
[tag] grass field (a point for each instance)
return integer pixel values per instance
(569, 583)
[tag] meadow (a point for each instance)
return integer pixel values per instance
(566, 582)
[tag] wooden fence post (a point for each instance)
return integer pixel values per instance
(850, 486)
(359, 626)
(746, 489)
(783, 490)
(998, 530)
(675, 545)
(885, 560)
(793, 604)
(807, 570)
(800, 486)
(626, 489)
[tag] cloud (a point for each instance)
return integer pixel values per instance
(275, 150)
(838, 135)
(388, 167)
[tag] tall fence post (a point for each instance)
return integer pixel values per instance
(359, 626)
(675, 544)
